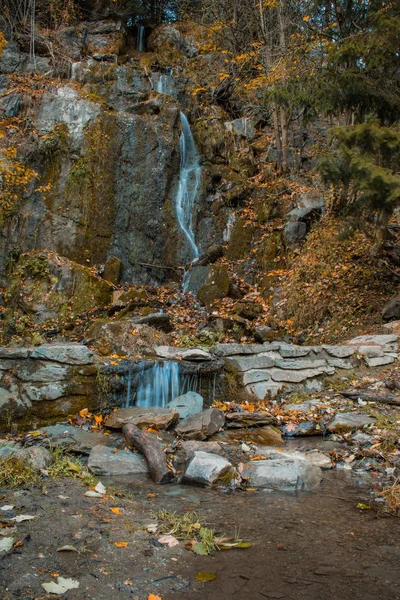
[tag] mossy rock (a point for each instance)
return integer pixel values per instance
(46, 285)
(216, 285)
(248, 310)
(132, 296)
(240, 244)
(208, 294)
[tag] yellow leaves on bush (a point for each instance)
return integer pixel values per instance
(3, 43)
(15, 178)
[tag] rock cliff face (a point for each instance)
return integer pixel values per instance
(105, 145)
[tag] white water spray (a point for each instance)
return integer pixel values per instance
(189, 183)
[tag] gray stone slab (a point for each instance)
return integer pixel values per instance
(290, 351)
(159, 418)
(379, 361)
(186, 405)
(378, 340)
(339, 363)
(293, 364)
(339, 351)
(105, 461)
(294, 376)
(250, 363)
(202, 425)
(237, 349)
(194, 354)
(255, 376)
(71, 354)
(265, 389)
(349, 421)
(283, 474)
(14, 353)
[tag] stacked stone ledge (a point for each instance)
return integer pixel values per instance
(273, 367)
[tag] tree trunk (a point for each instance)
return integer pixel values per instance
(382, 231)
(151, 449)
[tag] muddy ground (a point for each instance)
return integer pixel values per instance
(311, 546)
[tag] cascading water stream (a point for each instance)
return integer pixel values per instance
(141, 38)
(189, 183)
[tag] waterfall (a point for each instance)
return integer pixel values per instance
(141, 38)
(189, 183)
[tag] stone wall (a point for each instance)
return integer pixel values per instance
(43, 384)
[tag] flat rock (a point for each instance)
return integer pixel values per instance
(254, 376)
(294, 376)
(105, 461)
(248, 419)
(296, 365)
(339, 363)
(370, 351)
(208, 469)
(14, 352)
(374, 340)
(305, 407)
(195, 354)
(318, 459)
(284, 474)
(379, 361)
(237, 349)
(43, 372)
(37, 457)
(250, 363)
(158, 418)
(186, 405)
(289, 351)
(202, 425)
(349, 421)
(77, 440)
(259, 436)
(71, 354)
(339, 351)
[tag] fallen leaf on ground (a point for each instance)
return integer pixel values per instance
(121, 544)
(68, 548)
(205, 576)
(62, 586)
(199, 548)
(168, 540)
(362, 506)
(100, 488)
(22, 518)
(152, 528)
(7, 507)
(6, 544)
(92, 494)
(115, 510)
(153, 597)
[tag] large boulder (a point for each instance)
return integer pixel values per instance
(37, 457)
(391, 310)
(202, 425)
(169, 38)
(157, 418)
(188, 404)
(286, 474)
(208, 469)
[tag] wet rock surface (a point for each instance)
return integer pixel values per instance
(106, 461)
(159, 418)
(187, 405)
(202, 425)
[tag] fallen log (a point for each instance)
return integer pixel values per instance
(152, 450)
(354, 395)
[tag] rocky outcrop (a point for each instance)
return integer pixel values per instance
(201, 425)
(157, 418)
(208, 469)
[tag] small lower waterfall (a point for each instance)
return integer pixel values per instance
(189, 183)
(152, 383)
(141, 39)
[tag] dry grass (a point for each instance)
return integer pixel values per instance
(335, 287)
(14, 473)
(391, 495)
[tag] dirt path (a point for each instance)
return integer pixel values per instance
(308, 546)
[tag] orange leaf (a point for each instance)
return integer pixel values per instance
(153, 597)
(121, 544)
(116, 511)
